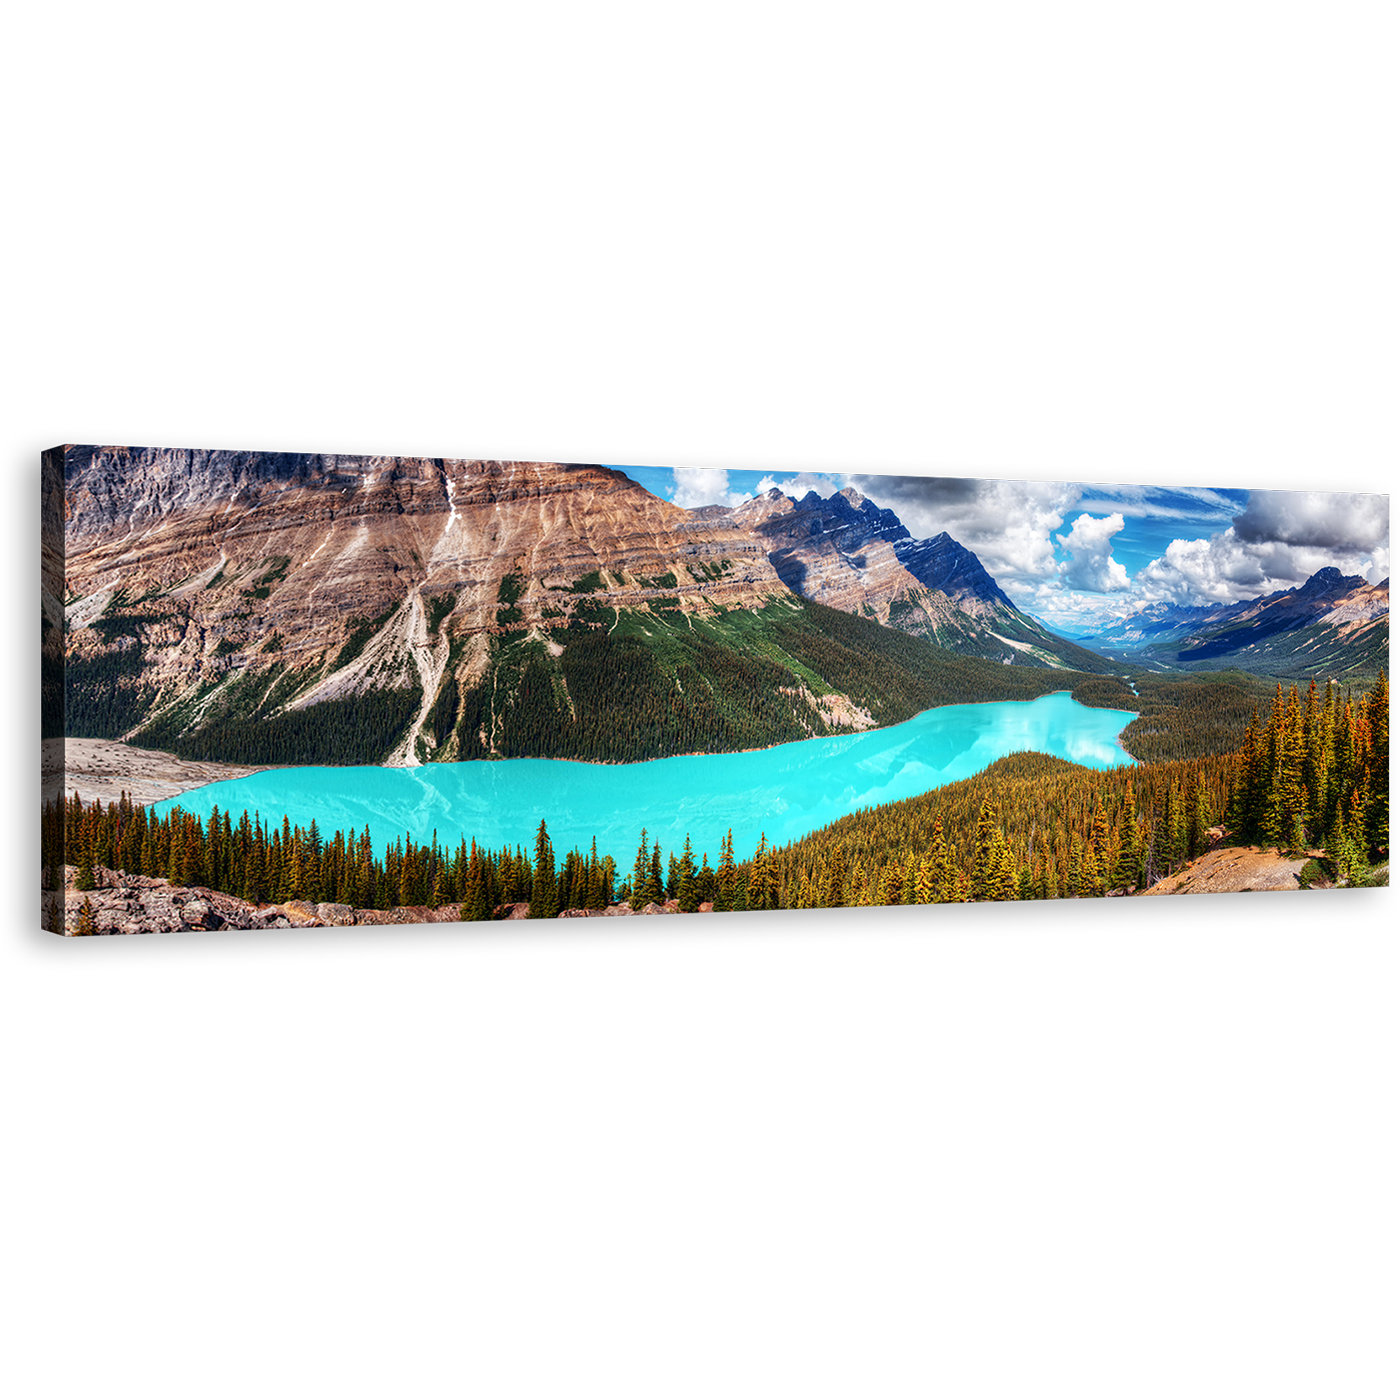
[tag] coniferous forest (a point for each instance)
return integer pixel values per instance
(1311, 776)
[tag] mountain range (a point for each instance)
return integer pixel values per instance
(266, 607)
(282, 608)
(1332, 624)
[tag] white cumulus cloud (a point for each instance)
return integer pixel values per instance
(798, 486)
(704, 486)
(1278, 541)
(1091, 565)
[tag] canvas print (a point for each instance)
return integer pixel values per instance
(286, 689)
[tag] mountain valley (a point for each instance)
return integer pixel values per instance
(1329, 625)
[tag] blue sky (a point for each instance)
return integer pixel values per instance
(1077, 554)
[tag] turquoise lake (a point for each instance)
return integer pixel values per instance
(785, 791)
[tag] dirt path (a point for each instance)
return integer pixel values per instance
(1233, 869)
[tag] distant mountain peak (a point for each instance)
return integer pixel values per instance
(1327, 580)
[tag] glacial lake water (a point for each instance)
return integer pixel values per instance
(785, 791)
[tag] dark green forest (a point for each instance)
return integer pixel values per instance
(610, 686)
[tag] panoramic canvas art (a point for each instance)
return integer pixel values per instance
(286, 689)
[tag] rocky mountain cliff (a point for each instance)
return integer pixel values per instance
(846, 552)
(467, 608)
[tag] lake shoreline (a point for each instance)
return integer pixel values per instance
(101, 769)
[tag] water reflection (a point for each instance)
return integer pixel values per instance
(785, 791)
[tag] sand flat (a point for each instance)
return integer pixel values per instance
(105, 768)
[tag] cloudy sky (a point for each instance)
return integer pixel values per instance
(1076, 555)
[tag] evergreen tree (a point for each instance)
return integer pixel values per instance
(986, 853)
(705, 884)
(892, 883)
(763, 881)
(1089, 882)
(1377, 816)
(727, 875)
(924, 886)
(655, 890)
(1292, 797)
(254, 874)
(686, 889)
(87, 920)
(641, 871)
(1199, 824)
(833, 894)
(1127, 873)
(175, 857)
(1096, 855)
(192, 859)
(1172, 836)
(86, 878)
(1245, 816)
(544, 892)
(1004, 881)
(150, 851)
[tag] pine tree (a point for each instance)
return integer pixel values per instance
(1292, 799)
(986, 852)
(1090, 879)
(686, 891)
(727, 875)
(892, 883)
(1245, 817)
(705, 881)
(1198, 826)
(86, 878)
(544, 892)
(924, 886)
(1004, 880)
(655, 889)
(1171, 836)
(87, 920)
(763, 881)
(1377, 815)
(1096, 852)
(641, 870)
(1127, 872)
(192, 858)
(833, 895)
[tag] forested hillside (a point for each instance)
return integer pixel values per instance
(610, 685)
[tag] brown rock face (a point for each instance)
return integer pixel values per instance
(355, 574)
(421, 599)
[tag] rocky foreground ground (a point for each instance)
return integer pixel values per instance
(124, 903)
(1234, 870)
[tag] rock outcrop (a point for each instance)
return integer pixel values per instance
(124, 903)
(131, 904)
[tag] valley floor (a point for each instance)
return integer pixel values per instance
(102, 769)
